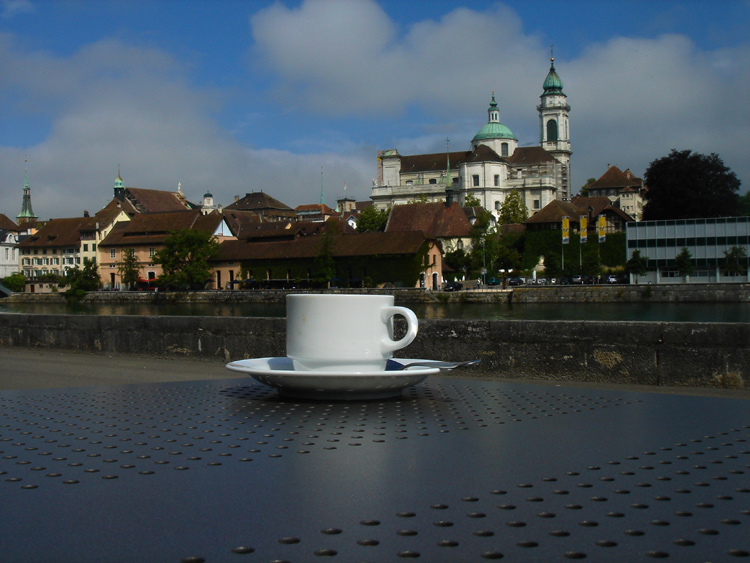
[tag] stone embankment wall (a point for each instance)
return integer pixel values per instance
(652, 353)
(636, 293)
(676, 293)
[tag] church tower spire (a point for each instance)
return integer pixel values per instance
(27, 213)
(554, 126)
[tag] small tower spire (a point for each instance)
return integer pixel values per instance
(322, 193)
(27, 213)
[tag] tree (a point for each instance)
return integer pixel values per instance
(687, 185)
(584, 191)
(735, 261)
(15, 282)
(637, 265)
(744, 205)
(325, 265)
(128, 268)
(472, 201)
(185, 259)
(371, 219)
(80, 281)
(513, 209)
(684, 263)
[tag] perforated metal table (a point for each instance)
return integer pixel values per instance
(454, 470)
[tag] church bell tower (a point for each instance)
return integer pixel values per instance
(554, 126)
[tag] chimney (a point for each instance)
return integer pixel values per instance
(448, 196)
(236, 198)
(86, 213)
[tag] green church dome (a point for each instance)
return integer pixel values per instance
(494, 131)
(552, 84)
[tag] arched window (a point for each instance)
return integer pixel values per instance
(552, 130)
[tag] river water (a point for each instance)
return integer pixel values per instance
(673, 312)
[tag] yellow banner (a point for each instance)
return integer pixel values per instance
(584, 229)
(566, 230)
(602, 228)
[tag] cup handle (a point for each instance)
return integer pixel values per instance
(388, 345)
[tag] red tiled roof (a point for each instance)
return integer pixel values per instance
(554, 211)
(366, 244)
(436, 220)
(153, 228)
(8, 225)
(530, 155)
(57, 233)
(321, 208)
(615, 178)
(259, 201)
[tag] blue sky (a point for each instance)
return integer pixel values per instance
(239, 96)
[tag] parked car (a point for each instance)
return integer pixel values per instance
(576, 279)
(453, 286)
(514, 282)
(494, 281)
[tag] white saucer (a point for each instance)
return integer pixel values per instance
(280, 373)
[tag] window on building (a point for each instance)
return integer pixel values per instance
(504, 149)
(536, 204)
(433, 181)
(475, 180)
(552, 130)
(85, 247)
(113, 253)
(497, 206)
(410, 182)
(455, 180)
(151, 252)
(497, 179)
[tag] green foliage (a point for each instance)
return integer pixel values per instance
(458, 261)
(684, 263)
(325, 266)
(472, 201)
(637, 265)
(371, 219)
(513, 209)
(80, 281)
(685, 185)
(128, 268)
(744, 205)
(584, 191)
(185, 259)
(15, 282)
(735, 261)
(588, 258)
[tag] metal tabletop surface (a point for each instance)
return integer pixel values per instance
(453, 470)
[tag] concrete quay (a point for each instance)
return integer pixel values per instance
(707, 355)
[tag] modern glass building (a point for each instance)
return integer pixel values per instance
(707, 240)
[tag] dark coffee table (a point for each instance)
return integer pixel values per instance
(454, 470)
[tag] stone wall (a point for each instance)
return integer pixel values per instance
(653, 353)
(636, 293)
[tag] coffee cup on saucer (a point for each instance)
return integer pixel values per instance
(344, 333)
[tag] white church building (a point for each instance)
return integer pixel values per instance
(494, 166)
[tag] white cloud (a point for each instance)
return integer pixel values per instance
(110, 103)
(120, 105)
(632, 98)
(11, 8)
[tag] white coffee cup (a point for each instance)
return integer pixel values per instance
(344, 333)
